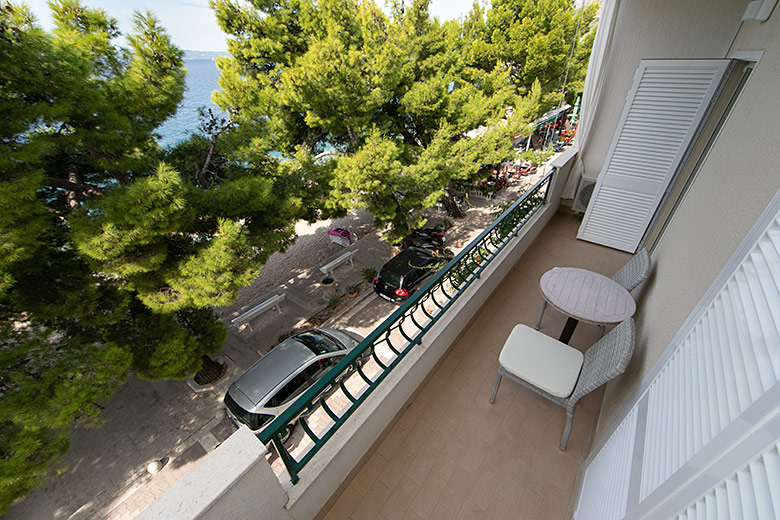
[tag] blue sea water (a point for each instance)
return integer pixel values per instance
(201, 82)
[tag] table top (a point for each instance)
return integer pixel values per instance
(586, 296)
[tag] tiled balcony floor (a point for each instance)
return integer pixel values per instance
(453, 455)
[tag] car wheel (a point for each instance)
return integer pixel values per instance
(288, 431)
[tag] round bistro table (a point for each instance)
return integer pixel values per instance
(583, 295)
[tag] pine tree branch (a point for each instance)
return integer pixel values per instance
(72, 186)
(327, 154)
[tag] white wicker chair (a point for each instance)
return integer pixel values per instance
(562, 373)
(634, 272)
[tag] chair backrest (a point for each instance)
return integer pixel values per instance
(635, 271)
(605, 359)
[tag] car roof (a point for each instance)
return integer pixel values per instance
(270, 370)
(405, 261)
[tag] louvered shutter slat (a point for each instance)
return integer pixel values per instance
(772, 462)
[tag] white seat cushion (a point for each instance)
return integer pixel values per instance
(541, 360)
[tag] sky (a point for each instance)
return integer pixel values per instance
(192, 24)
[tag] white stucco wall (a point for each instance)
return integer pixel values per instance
(656, 29)
(738, 179)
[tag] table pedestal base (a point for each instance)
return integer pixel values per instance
(568, 330)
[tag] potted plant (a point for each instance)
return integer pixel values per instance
(352, 291)
(369, 273)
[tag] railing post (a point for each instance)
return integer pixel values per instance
(286, 458)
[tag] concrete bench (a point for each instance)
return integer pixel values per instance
(258, 309)
(328, 268)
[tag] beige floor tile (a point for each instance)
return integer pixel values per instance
(484, 487)
(369, 473)
(441, 513)
(470, 511)
(428, 495)
(447, 367)
(411, 515)
(538, 476)
(499, 509)
(419, 435)
(410, 416)
(474, 455)
(401, 497)
(345, 505)
(444, 466)
(554, 505)
(456, 490)
(396, 467)
(527, 505)
(421, 464)
(566, 470)
(372, 502)
(393, 441)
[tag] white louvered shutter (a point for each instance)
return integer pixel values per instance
(728, 361)
(752, 492)
(663, 110)
(709, 409)
(605, 481)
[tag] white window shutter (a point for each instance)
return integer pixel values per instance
(727, 362)
(752, 492)
(605, 481)
(662, 113)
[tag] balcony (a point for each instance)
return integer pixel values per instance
(411, 431)
(450, 453)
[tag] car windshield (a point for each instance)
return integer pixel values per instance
(391, 279)
(317, 343)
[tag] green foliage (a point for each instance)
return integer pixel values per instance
(388, 99)
(533, 38)
(112, 251)
(369, 273)
(536, 157)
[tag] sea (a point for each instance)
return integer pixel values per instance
(201, 81)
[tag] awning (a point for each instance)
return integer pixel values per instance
(551, 116)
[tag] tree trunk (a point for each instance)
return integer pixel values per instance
(210, 371)
(452, 208)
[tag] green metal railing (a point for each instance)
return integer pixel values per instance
(327, 404)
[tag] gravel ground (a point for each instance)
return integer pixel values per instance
(312, 246)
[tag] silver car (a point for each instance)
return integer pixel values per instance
(271, 385)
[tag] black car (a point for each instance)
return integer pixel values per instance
(400, 276)
(429, 238)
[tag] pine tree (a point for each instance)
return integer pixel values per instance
(113, 251)
(388, 99)
(534, 39)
